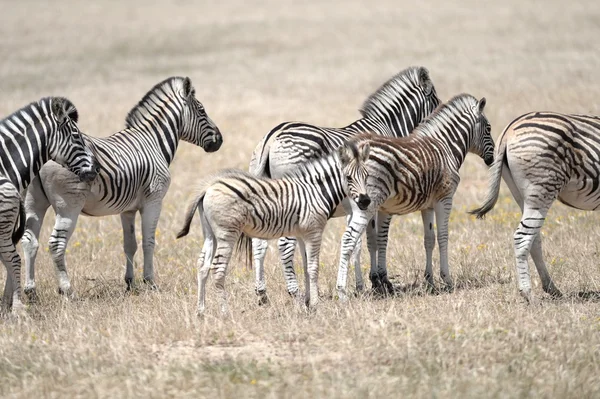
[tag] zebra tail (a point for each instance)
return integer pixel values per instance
(20, 225)
(189, 215)
(244, 247)
(259, 163)
(494, 186)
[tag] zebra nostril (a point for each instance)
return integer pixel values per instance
(363, 201)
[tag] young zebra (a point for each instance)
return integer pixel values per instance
(544, 156)
(393, 110)
(41, 131)
(235, 205)
(421, 173)
(135, 177)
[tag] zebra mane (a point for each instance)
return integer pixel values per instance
(388, 95)
(168, 86)
(43, 107)
(459, 103)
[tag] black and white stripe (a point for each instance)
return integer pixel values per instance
(420, 173)
(544, 156)
(42, 131)
(234, 205)
(393, 111)
(134, 177)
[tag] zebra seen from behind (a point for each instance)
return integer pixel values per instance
(135, 177)
(41, 131)
(421, 173)
(234, 205)
(543, 157)
(394, 110)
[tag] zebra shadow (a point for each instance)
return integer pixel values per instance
(419, 287)
(587, 296)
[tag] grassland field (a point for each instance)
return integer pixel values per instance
(254, 65)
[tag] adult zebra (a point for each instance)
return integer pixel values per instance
(235, 205)
(393, 110)
(41, 131)
(421, 173)
(544, 156)
(134, 177)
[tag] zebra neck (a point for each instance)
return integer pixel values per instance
(454, 142)
(24, 150)
(164, 131)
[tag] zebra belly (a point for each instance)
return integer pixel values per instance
(581, 195)
(395, 206)
(95, 205)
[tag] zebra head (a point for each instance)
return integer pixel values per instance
(353, 158)
(197, 127)
(66, 146)
(483, 144)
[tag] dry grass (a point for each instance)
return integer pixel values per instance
(253, 67)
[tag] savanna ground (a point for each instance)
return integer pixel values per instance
(254, 66)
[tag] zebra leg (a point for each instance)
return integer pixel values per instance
(12, 288)
(259, 250)
(372, 246)
(354, 230)
(66, 220)
(540, 265)
(383, 229)
(429, 242)
(287, 247)
(203, 267)
(150, 214)
(129, 245)
(36, 205)
(355, 260)
(313, 247)
(225, 245)
(536, 247)
(442, 215)
(302, 246)
(528, 231)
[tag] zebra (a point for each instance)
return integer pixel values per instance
(421, 173)
(544, 156)
(135, 177)
(41, 131)
(393, 110)
(234, 205)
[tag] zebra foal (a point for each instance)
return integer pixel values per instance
(544, 156)
(134, 177)
(421, 173)
(234, 205)
(394, 110)
(41, 131)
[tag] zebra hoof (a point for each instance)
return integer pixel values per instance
(67, 293)
(526, 295)
(263, 299)
(151, 284)
(129, 283)
(31, 294)
(553, 292)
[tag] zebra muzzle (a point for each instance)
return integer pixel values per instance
(363, 201)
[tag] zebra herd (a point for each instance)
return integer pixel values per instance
(402, 156)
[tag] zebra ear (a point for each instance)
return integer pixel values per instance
(188, 89)
(364, 151)
(425, 81)
(345, 153)
(59, 109)
(481, 105)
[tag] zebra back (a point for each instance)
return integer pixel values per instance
(393, 110)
